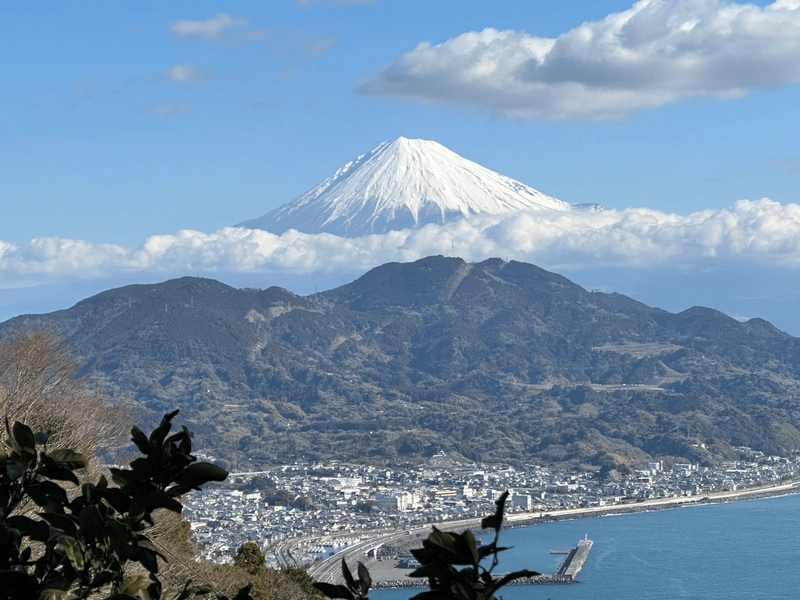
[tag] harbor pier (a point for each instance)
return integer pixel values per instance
(573, 563)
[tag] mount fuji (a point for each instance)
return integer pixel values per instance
(403, 184)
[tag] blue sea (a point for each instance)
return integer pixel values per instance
(744, 550)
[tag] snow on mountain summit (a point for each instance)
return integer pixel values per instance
(402, 184)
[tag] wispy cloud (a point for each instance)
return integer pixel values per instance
(186, 73)
(266, 103)
(308, 3)
(171, 110)
(655, 53)
(790, 165)
(302, 45)
(220, 27)
(760, 232)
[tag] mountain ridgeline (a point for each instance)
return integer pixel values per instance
(494, 361)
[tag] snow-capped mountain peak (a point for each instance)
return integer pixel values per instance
(404, 183)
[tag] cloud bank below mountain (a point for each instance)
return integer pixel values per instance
(758, 232)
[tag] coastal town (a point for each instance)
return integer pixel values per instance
(300, 514)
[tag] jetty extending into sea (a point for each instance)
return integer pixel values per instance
(573, 563)
(567, 571)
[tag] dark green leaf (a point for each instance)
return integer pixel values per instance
(496, 520)
(364, 578)
(334, 591)
(17, 470)
(143, 542)
(102, 578)
(348, 577)
(68, 458)
(36, 530)
(160, 432)
(46, 492)
(23, 585)
(133, 585)
(24, 436)
(199, 473)
(186, 592)
(138, 503)
(119, 500)
(147, 558)
(469, 540)
(154, 589)
(122, 477)
(244, 593)
(63, 523)
(73, 550)
(58, 473)
(92, 524)
(442, 539)
(141, 441)
(159, 499)
(123, 541)
(41, 437)
(490, 523)
(55, 593)
(426, 571)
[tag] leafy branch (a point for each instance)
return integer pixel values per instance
(93, 544)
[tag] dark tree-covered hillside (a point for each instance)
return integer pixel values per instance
(497, 360)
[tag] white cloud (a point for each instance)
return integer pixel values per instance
(212, 29)
(655, 53)
(760, 232)
(185, 73)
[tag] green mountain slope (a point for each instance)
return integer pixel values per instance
(494, 361)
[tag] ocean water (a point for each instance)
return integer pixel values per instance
(741, 550)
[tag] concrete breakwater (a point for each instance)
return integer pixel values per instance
(573, 563)
(567, 572)
(423, 583)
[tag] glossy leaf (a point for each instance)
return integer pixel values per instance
(73, 550)
(58, 473)
(348, 577)
(46, 492)
(133, 586)
(159, 499)
(68, 458)
(364, 579)
(36, 530)
(122, 540)
(92, 523)
(199, 473)
(140, 439)
(23, 435)
(334, 591)
(61, 522)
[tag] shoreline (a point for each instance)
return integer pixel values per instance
(386, 576)
(529, 519)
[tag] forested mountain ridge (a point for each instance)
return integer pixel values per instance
(496, 360)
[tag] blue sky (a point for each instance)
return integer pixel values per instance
(121, 121)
